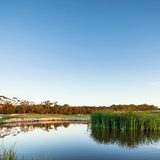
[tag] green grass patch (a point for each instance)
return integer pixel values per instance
(44, 116)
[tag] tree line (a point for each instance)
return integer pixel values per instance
(48, 107)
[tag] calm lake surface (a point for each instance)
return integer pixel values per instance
(79, 142)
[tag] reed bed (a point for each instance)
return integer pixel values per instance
(125, 121)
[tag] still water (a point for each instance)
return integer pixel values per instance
(76, 141)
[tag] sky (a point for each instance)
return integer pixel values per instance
(81, 52)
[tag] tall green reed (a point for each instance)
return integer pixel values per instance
(142, 121)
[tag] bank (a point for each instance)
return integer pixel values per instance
(17, 118)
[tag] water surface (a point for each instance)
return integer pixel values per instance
(75, 141)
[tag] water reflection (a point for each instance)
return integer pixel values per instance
(16, 128)
(130, 139)
(101, 136)
(72, 141)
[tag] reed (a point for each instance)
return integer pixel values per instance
(7, 154)
(10, 154)
(124, 121)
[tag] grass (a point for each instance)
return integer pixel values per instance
(124, 121)
(46, 116)
(10, 154)
(7, 154)
(39, 116)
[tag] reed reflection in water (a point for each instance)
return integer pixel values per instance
(72, 141)
(129, 139)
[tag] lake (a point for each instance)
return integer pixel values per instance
(76, 141)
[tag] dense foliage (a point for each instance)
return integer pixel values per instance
(48, 107)
(125, 121)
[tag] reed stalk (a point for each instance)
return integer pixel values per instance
(124, 121)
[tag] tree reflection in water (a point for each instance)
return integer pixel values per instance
(14, 129)
(130, 139)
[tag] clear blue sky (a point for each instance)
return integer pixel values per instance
(81, 52)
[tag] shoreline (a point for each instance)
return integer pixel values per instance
(22, 120)
(44, 118)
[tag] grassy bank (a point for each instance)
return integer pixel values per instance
(45, 116)
(124, 121)
(41, 117)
